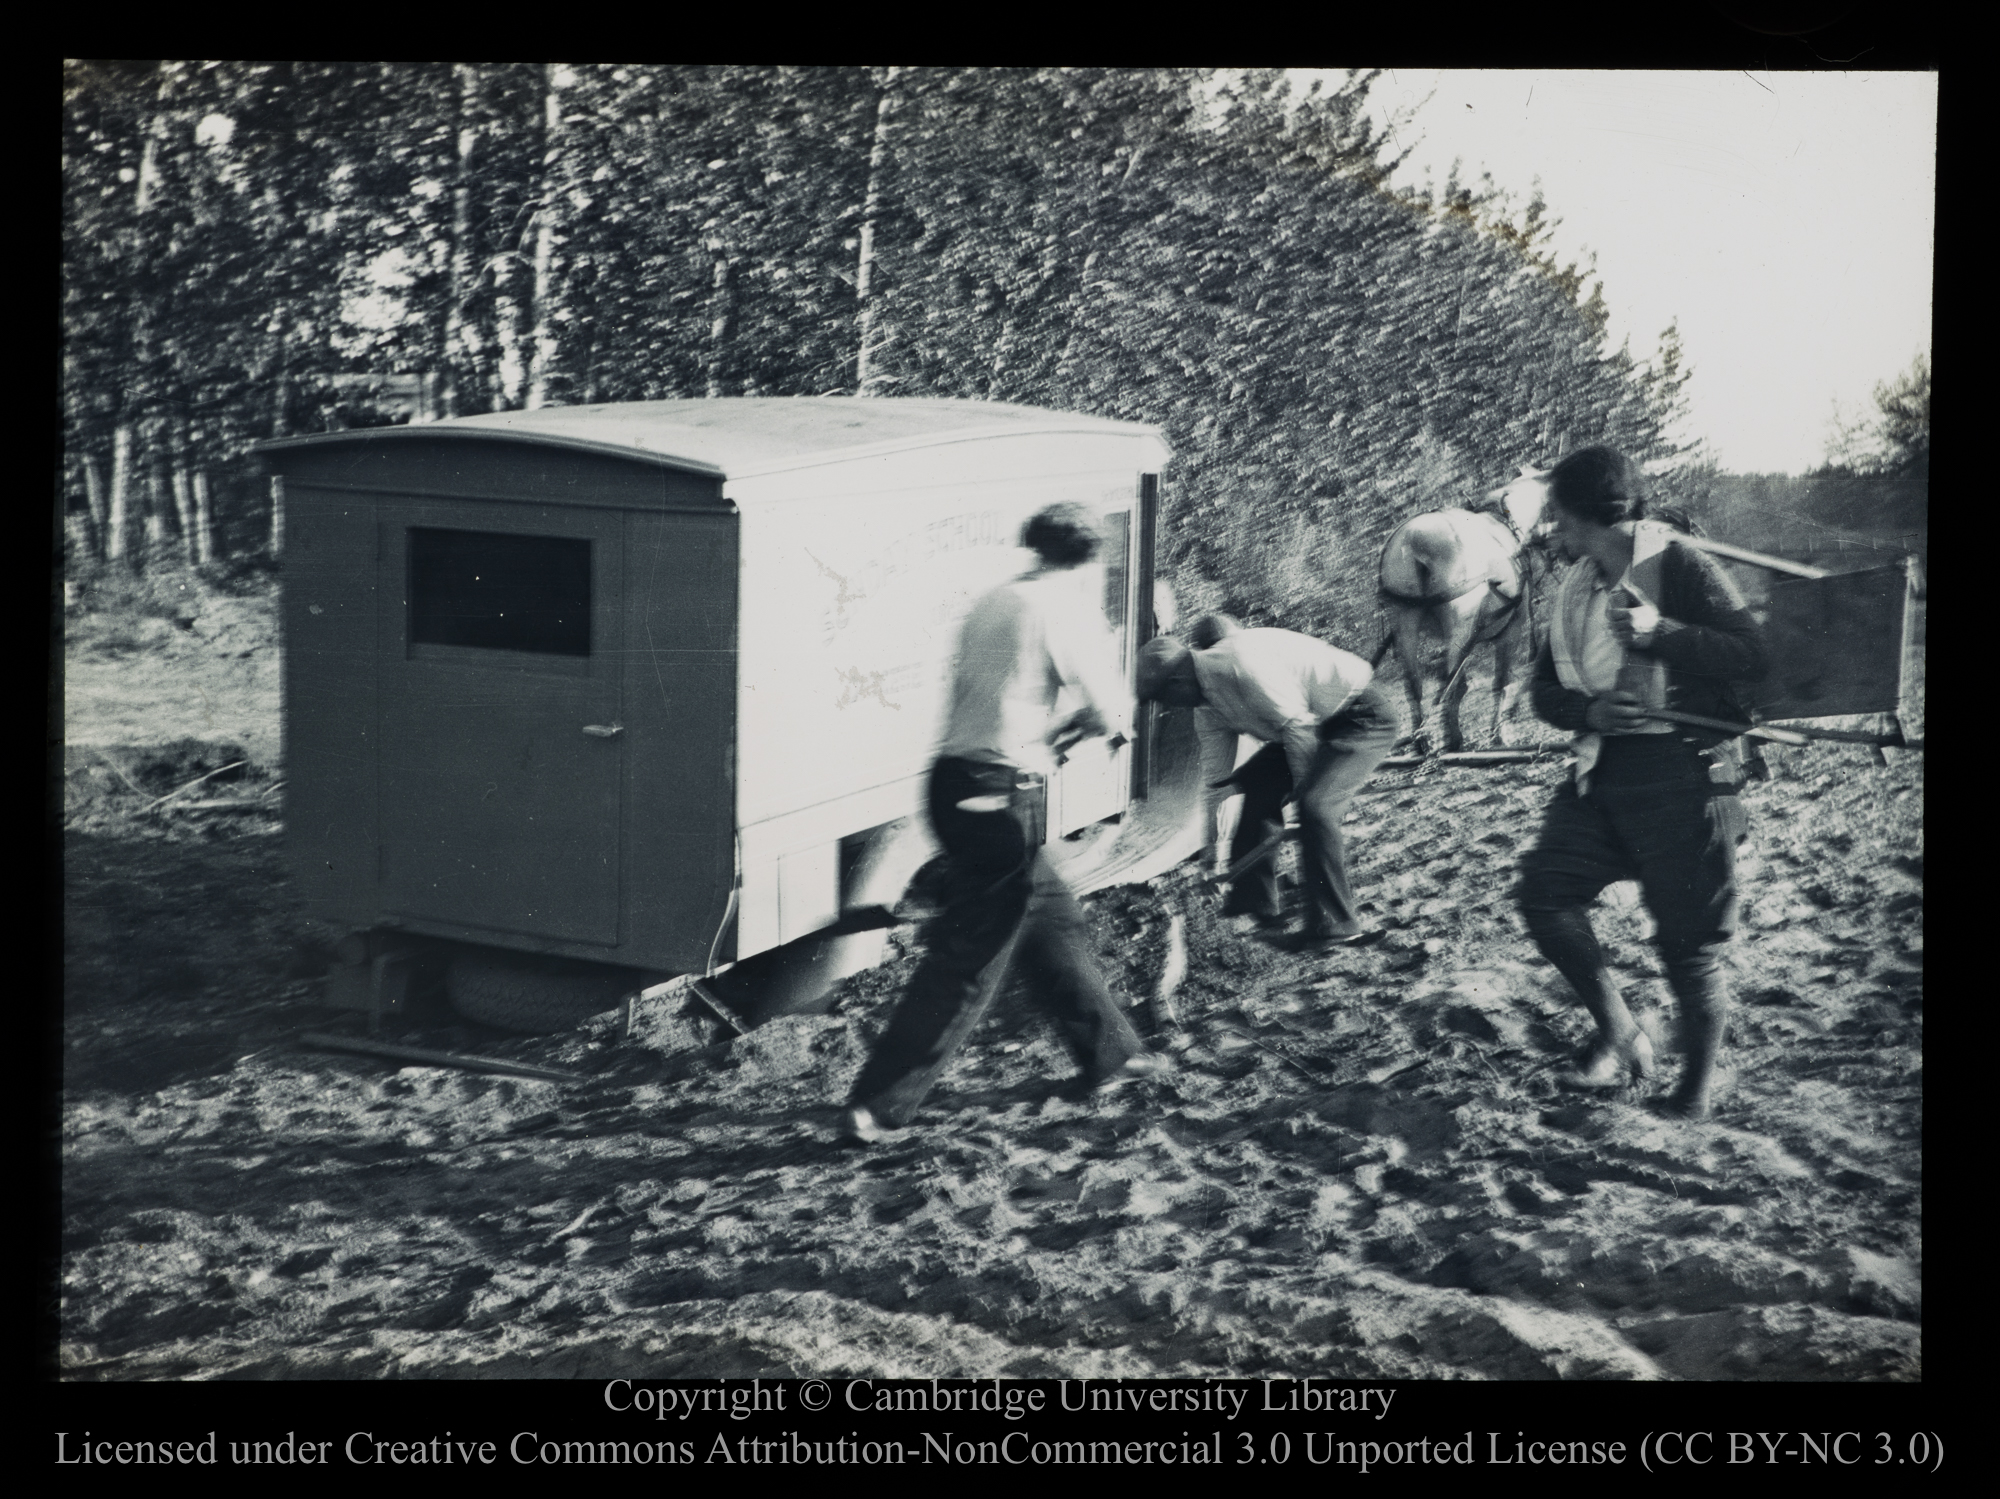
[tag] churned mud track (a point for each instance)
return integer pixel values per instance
(1361, 1166)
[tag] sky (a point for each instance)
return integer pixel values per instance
(1785, 220)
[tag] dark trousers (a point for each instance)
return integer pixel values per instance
(1006, 910)
(1352, 743)
(1651, 815)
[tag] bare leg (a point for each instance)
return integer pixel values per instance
(1568, 942)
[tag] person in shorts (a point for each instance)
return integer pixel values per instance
(1643, 622)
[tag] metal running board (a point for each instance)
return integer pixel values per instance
(1157, 832)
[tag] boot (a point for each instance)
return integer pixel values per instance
(1703, 996)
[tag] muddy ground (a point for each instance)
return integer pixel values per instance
(1362, 1164)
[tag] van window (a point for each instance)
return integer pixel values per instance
(498, 591)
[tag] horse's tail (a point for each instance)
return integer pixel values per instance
(1424, 571)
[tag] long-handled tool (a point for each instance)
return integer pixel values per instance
(1785, 736)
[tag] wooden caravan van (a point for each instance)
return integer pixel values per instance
(655, 685)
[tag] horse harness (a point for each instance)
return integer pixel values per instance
(1433, 600)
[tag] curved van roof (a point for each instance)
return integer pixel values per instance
(735, 437)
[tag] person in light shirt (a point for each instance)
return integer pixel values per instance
(1325, 726)
(1022, 647)
(1644, 624)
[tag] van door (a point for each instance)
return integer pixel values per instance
(500, 744)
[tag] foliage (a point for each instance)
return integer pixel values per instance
(1897, 437)
(254, 249)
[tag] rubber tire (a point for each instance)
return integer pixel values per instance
(535, 996)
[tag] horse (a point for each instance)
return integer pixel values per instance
(1465, 573)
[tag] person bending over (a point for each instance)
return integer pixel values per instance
(1325, 725)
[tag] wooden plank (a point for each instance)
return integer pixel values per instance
(712, 1003)
(1755, 559)
(424, 1057)
(1517, 756)
(1796, 734)
(1776, 736)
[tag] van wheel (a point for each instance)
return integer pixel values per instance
(523, 994)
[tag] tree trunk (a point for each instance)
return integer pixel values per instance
(285, 236)
(280, 424)
(878, 156)
(1003, 346)
(542, 341)
(149, 164)
(204, 518)
(184, 511)
(93, 496)
(588, 330)
(156, 506)
(143, 390)
(507, 328)
(459, 291)
(81, 544)
(1073, 317)
(121, 468)
(157, 496)
(718, 319)
(277, 515)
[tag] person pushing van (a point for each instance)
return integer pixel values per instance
(1325, 724)
(1005, 907)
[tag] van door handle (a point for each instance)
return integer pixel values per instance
(604, 730)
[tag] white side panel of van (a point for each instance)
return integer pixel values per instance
(855, 580)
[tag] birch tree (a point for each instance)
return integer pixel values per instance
(878, 165)
(548, 209)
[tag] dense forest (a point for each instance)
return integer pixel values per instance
(261, 249)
